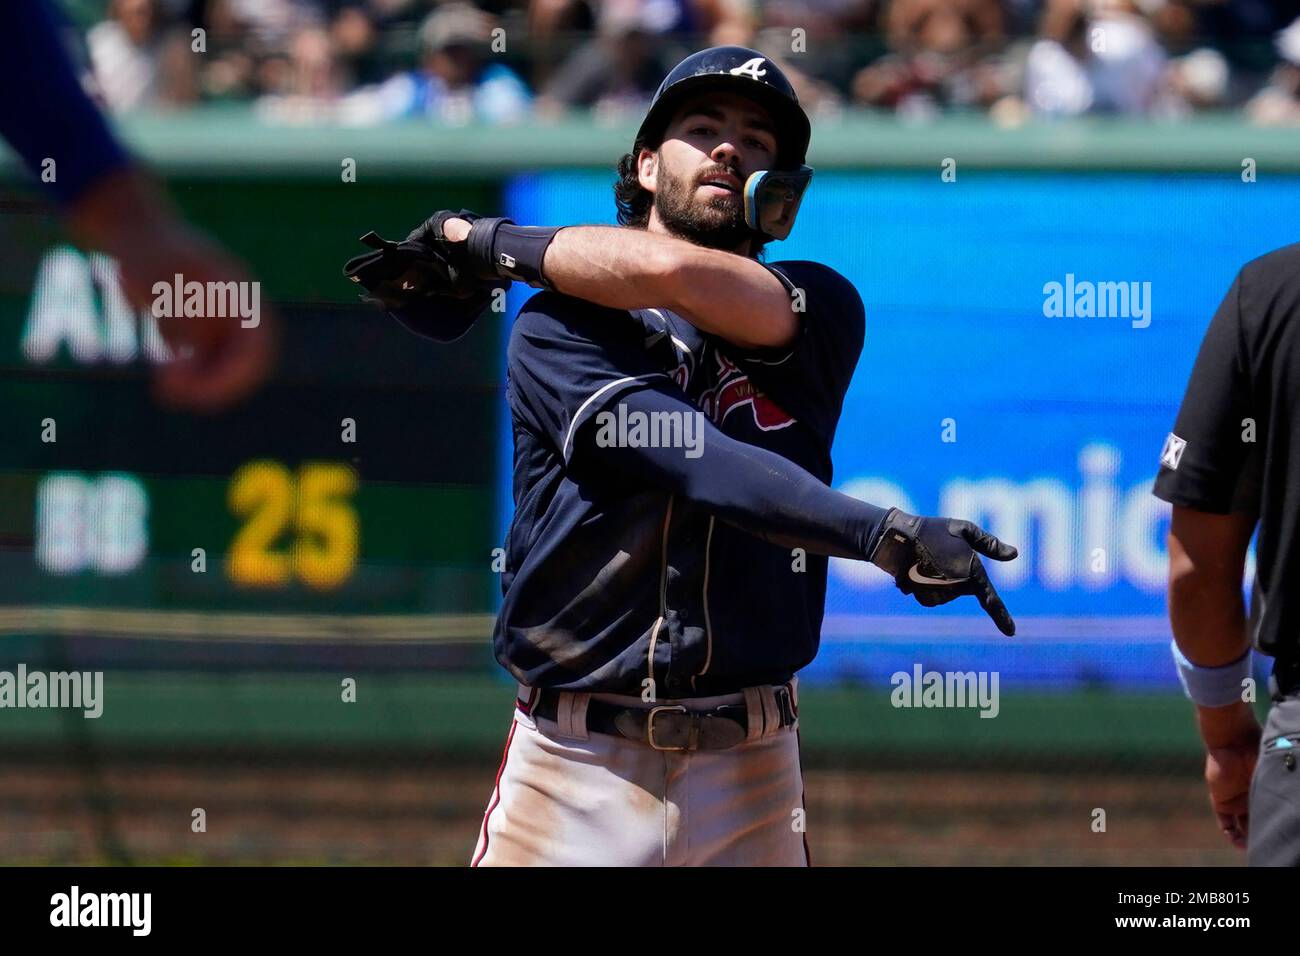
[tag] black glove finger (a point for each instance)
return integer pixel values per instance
(982, 541)
(990, 601)
(431, 232)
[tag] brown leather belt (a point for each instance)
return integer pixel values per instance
(668, 726)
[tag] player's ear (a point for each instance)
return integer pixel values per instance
(647, 168)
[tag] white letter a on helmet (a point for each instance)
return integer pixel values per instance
(751, 68)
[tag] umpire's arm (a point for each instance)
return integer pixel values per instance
(1206, 474)
(1207, 561)
(1207, 557)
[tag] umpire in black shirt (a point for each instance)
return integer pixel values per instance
(1233, 461)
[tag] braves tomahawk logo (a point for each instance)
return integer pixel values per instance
(750, 68)
(735, 390)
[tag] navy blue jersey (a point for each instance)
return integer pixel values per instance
(610, 581)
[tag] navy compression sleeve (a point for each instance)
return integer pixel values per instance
(752, 488)
(44, 113)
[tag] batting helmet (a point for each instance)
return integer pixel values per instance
(740, 70)
(772, 197)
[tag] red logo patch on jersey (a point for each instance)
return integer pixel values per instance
(734, 390)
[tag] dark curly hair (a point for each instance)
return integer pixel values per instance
(634, 200)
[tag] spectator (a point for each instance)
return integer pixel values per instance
(1094, 55)
(270, 24)
(304, 59)
(137, 62)
(251, 46)
(823, 19)
(549, 21)
(1278, 104)
(230, 65)
(359, 30)
(1197, 81)
(837, 37)
(939, 51)
(818, 98)
(305, 82)
(721, 21)
(616, 74)
(455, 83)
(1126, 62)
(1238, 27)
(704, 22)
(355, 37)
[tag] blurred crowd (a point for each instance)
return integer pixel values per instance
(502, 61)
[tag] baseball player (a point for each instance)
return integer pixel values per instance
(1230, 466)
(664, 586)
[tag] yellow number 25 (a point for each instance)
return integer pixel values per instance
(318, 509)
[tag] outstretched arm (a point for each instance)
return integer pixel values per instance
(758, 491)
(752, 488)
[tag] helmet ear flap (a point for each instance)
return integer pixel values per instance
(772, 199)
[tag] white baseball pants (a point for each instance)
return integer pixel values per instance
(566, 797)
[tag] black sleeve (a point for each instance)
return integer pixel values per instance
(44, 113)
(567, 360)
(752, 488)
(809, 377)
(1206, 462)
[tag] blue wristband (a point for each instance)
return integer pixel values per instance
(1212, 686)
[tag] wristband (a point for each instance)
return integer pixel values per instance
(502, 250)
(1211, 686)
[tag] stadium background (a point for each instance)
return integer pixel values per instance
(372, 560)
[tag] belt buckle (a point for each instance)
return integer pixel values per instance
(650, 724)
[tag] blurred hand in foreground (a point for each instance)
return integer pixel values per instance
(217, 360)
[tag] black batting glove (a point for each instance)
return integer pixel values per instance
(495, 248)
(430, 231)
(936, 560)
(465, 275)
